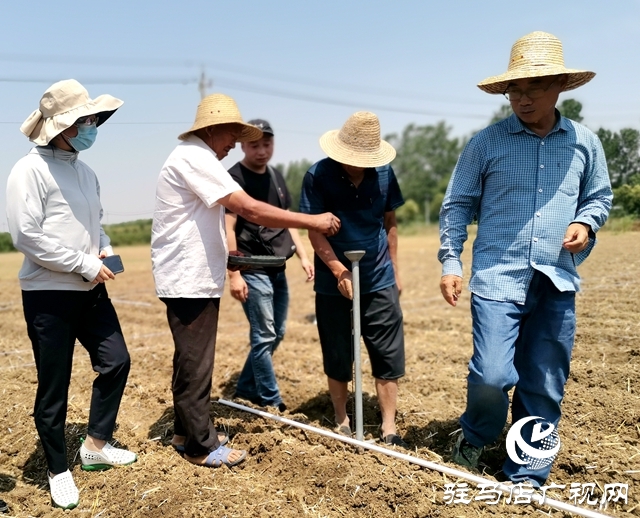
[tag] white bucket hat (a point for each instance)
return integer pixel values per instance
(221, 109)
(358, 142)
(536, 55)
(62, 104)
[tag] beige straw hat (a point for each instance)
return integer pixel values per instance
(221, 109)
(61, 106)
(358, 142)
(535, 55)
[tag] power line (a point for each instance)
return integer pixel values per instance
(203, 83)
(109, 81)
(325, 100)
(314, 82)
(127, 61)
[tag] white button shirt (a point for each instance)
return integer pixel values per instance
(188, 240)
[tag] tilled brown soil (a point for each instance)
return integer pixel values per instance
(290, 472)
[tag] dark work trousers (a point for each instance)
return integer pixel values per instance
(55, 319)
(194, 325)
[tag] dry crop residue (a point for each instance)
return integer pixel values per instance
(293, 473)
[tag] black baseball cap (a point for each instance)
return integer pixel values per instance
(263, 125)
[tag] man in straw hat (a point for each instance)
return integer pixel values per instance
(54, 213)
(538, 185)
(358, 185)
(189, 255)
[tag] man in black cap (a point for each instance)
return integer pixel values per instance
(263, 292)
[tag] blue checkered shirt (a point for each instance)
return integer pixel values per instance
(525, 191)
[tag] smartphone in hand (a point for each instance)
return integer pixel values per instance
(114, 263)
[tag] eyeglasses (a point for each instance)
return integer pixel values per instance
(535, 92)
(89, 120)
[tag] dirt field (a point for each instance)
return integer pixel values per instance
(291, 473)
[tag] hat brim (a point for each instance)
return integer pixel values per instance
(498, 84)
(249, 133)
(336, 149)
(42, 130)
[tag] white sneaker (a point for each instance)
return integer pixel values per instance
(64, 492)
(105, 459)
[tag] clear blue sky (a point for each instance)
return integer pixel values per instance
(305, 66)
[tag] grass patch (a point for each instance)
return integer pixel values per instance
(621, 224)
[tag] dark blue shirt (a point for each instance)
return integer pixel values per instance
(327, 188)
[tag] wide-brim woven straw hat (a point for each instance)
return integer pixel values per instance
(535, 55)
(358, 142)
(221, 109)
(62, 104)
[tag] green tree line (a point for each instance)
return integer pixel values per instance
(426, 157)
(121, 234)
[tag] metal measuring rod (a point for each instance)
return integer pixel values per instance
(354, 256)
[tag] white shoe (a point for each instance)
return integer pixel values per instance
(106, 458)
(64, 492)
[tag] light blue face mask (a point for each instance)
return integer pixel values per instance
(85, 138)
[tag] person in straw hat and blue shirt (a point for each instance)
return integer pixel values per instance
(357, 183)
(54, 213)
(538, 185)
(189, 258)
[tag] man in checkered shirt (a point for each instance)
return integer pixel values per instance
(538, 185)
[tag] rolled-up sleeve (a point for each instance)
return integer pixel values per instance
(311, 201)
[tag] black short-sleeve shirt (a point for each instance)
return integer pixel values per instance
(260, 187)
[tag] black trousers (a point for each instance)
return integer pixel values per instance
(194, 325)
(382, 332)
(55, 320)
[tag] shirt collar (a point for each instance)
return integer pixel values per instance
(55, 152)
(369, 172)
(515, 125)
(194, 139)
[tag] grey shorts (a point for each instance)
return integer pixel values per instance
(381, 325)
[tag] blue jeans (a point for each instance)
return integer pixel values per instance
(527, 346)
(266, 310)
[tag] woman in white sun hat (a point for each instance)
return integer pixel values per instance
(54, 213)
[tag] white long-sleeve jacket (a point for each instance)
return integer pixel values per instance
(54, 213)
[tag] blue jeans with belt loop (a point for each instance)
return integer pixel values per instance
(266, 309)
(523, 346)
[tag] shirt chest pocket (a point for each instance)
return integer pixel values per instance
(568, 176)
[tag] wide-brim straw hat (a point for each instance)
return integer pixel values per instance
(358, 142)
(221, 109)
(62, 104)
(535, 55)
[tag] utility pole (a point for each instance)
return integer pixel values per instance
(204, 84)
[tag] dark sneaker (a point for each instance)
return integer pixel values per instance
(466, 454)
